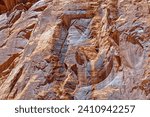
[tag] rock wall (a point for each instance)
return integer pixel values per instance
(74, 49)
(8, 5)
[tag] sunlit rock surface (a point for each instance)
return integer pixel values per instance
(74, 49)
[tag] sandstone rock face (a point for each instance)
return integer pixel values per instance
(74, 49)
(8, 5)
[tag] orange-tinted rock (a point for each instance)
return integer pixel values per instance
(74, 49)
(8, 5)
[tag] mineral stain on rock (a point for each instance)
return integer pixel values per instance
(74, 49)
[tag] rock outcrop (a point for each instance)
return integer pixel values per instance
(74, 49)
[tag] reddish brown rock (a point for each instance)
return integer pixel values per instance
(74, 49)
(8, 5)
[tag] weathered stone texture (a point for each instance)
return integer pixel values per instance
(74, 49)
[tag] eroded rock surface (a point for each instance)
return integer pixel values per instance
(74, 49)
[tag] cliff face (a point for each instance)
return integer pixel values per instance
(8, 5)
(74, 49)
